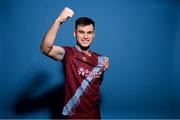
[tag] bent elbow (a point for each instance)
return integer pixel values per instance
(45, 49)
(41, 48)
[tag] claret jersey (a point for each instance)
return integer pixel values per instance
(83, 74)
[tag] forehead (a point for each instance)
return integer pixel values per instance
(85, 27)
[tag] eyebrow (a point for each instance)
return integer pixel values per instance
(89, 32)
(81, 31)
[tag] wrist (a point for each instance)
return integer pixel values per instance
(58, 21)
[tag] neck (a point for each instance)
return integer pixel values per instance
(84, 49)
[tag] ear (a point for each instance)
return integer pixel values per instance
(74, 33)
(94, 35)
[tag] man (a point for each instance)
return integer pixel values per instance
(83, 68)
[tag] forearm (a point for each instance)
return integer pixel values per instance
(50, 36)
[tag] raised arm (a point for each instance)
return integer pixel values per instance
(47, 46)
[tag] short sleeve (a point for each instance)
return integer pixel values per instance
(68, 53)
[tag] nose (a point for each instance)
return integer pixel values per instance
(85, 36)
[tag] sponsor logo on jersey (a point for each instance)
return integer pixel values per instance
(85, 72)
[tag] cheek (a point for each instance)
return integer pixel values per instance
(92, 38)
(79, 36)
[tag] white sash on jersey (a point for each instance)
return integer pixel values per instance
(73, 102)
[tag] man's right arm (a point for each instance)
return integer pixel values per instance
(47, 46)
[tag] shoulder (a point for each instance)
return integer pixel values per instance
(101, 57)
(69, 51)
(67, 47)
(96, 54)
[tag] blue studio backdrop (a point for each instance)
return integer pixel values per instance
(141, 38)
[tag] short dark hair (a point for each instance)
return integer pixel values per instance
(83, 21)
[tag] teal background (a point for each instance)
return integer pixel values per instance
(141, 38)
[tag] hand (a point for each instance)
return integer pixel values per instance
(65, 14)
(106, 63)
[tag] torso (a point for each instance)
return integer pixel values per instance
(78, 68)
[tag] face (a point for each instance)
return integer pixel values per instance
(84, 35)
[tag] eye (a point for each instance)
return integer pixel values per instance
(80, 31)
(90, 32)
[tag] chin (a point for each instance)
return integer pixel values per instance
(85, 45)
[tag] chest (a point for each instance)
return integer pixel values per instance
(83, 65)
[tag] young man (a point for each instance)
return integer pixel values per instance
(83, 68)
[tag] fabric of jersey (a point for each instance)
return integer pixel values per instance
(83, 74)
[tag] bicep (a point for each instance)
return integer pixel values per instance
(56, 53)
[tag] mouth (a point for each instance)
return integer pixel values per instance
(85, 41)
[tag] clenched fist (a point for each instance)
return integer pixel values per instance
(65, 14)
(106, 63)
